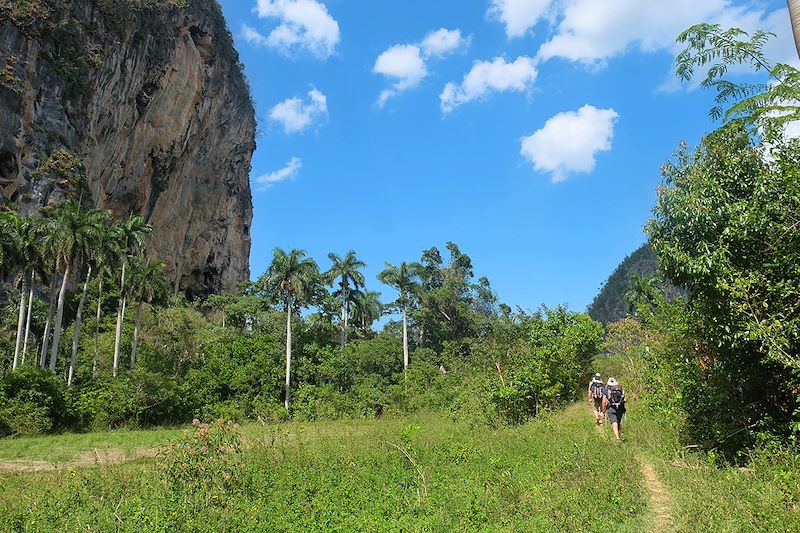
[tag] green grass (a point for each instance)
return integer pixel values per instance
(71, 446)
(420, 473)
(424, 473)
(762, 497)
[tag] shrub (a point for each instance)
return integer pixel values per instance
(205, 463)
(33, 402)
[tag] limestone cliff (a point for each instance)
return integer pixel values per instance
(151, 96)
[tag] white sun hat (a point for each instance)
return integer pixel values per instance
(612, 382)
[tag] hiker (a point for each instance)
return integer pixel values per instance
(614, 405)
(596, 394)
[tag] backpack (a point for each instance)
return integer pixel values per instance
(616, 398)
(597, 389)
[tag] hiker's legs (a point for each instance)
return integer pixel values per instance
(598, 411)
(615, 419)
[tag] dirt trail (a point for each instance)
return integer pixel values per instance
(659, 498)
(90, 458)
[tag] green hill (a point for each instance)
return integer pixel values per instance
(609, 305)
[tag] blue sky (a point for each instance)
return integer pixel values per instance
(529, 132)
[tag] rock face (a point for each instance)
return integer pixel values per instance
(151, 96)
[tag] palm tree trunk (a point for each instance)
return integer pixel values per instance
(288, 351)
(77, 334)
(28, 321)
(346, 316)
(20, 319)
(120, 318)
(344, 325)
(59, 317)
(46, 335)
(97, 327)
(405, 340)
(794, 15)
(135, 342)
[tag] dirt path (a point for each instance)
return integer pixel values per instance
(89, 458)
(659, 498)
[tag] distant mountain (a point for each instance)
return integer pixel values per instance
(609, 305)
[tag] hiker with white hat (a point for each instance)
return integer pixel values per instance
(595, 395)
(614, 405)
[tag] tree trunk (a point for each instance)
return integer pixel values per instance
(794, 15)
(77, 334)
(288, 351)
(405, 340)
(46, 335)
(97, 327)
(135, 342)
(59, 317)
(345, 312)
(28, 321)
(20, 319)
(120, 318)
(344, 324)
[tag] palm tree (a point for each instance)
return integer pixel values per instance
(404, 278)
(100, 229)
(642, 292)
(132, 233)
(367, 309)
(105, 257)
(148, 283)
(291, 279)
(71, 234)
(35, 258)
(346, 269)
(14, 233)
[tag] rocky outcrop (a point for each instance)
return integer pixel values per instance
(151, 96)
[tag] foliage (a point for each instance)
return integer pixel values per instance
(206, 462)
(563, 345)
(726, 227)
(771, 104)
(32, 402)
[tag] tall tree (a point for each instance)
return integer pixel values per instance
(290, 279)
(72, 232)
(367, 309)
(14, 232)
(148, 284)
(404, 278)
(132, 234)
(105, 257)
(346, 270)
(92, 254)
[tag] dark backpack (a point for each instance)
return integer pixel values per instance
(616, 398)
(597, 389)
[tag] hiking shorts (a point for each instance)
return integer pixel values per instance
(598, 404)
(614, 416)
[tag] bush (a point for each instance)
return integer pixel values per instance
(33, 402)
(202, 466)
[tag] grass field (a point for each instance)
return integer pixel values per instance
(423, 473)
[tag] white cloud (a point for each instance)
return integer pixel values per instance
(519, 16)
(402, 63)
(288, 172)
(304, 25)
(442, 42)
(296, 114)
(592, 31)
(252, 36)
(486, 77)
(569, 141)
(407, 65)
